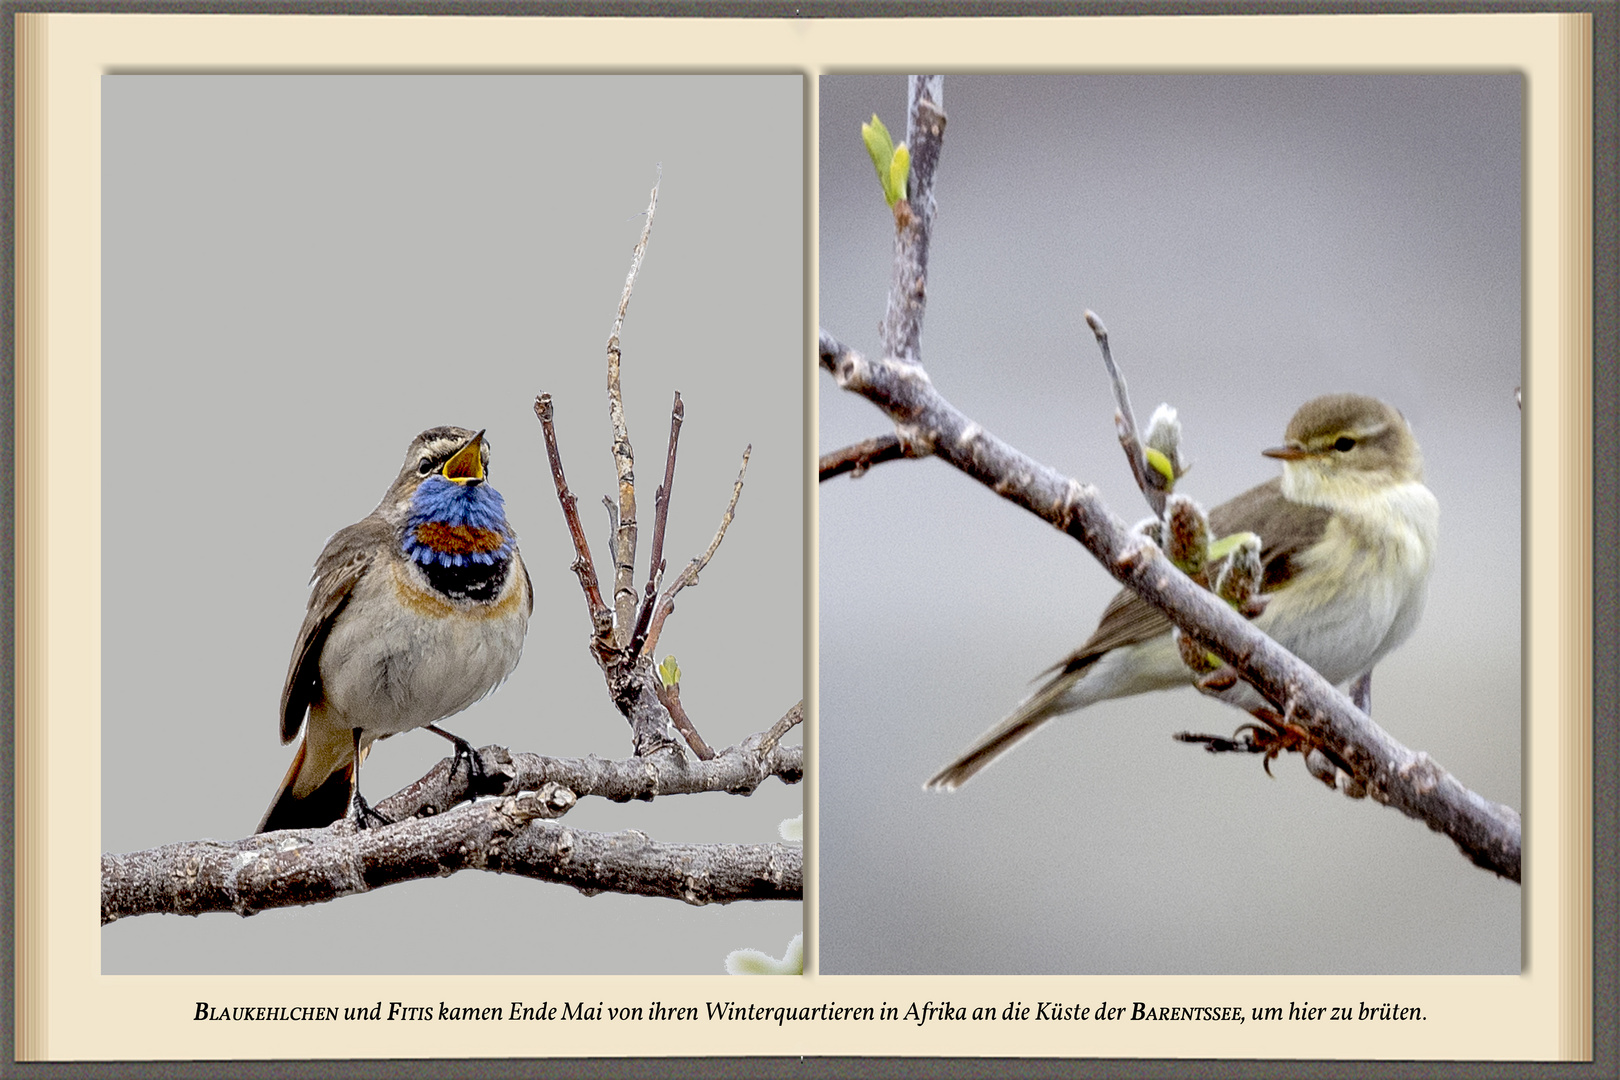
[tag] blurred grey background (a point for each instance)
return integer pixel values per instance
(300, 273)
(1251, 241)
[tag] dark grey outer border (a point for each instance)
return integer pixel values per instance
(1605, 606)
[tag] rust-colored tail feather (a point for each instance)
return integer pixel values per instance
(320, 808)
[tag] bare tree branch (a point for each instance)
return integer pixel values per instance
(914, 220)
(689, 573)
(506, 836)
(738, 769)
(655, 571)
(623, 640)
(1487, 832)
(860, 457)
(624, 458)
(790, 719)
(601, 615)
(510, 834)
(1125, 421)
(670, 695)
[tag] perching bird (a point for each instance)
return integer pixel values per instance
(416, 612)
(1348, 536)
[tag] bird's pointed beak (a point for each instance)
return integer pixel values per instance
(1286, 453)
(466, 466)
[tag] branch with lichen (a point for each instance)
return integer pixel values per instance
(436, 832)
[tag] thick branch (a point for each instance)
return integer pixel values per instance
(633, 684)
(1487, 832)
(737, 769)
(508, 834)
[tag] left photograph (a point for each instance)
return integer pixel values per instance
(452, 526)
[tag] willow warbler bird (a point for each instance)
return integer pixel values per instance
(1348, 535)
(417, 611)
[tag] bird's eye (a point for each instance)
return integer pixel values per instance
(424, 466)
(1344, 443)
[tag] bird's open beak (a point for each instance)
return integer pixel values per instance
(1287, 453)
(466, 466)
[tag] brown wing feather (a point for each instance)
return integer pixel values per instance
(1285, 529)
(528, 586)
(342, 562)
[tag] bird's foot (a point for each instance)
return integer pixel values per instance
(364, 815)
(1275, 734)
(477, 775)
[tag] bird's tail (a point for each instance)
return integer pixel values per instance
(1031, 713)
(315, 792)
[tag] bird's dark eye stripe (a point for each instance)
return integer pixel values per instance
(1344, 442)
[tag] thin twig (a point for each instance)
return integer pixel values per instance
(613, 520)
(670, 695)
(689, 574)
(601, 615)
(655, 572)
(1488, 833)
(860, 457)
(1125, 420)
(790, 719)
(624, 546)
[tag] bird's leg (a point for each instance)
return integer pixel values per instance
(475, 764)
(1361, 692)
(363, 813)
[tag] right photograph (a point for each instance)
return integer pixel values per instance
(1320, 275)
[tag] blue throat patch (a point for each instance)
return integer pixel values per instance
(457, 525)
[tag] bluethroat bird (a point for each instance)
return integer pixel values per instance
(416, 612)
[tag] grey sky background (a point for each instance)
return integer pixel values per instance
(1251, 241)
(300, 273)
